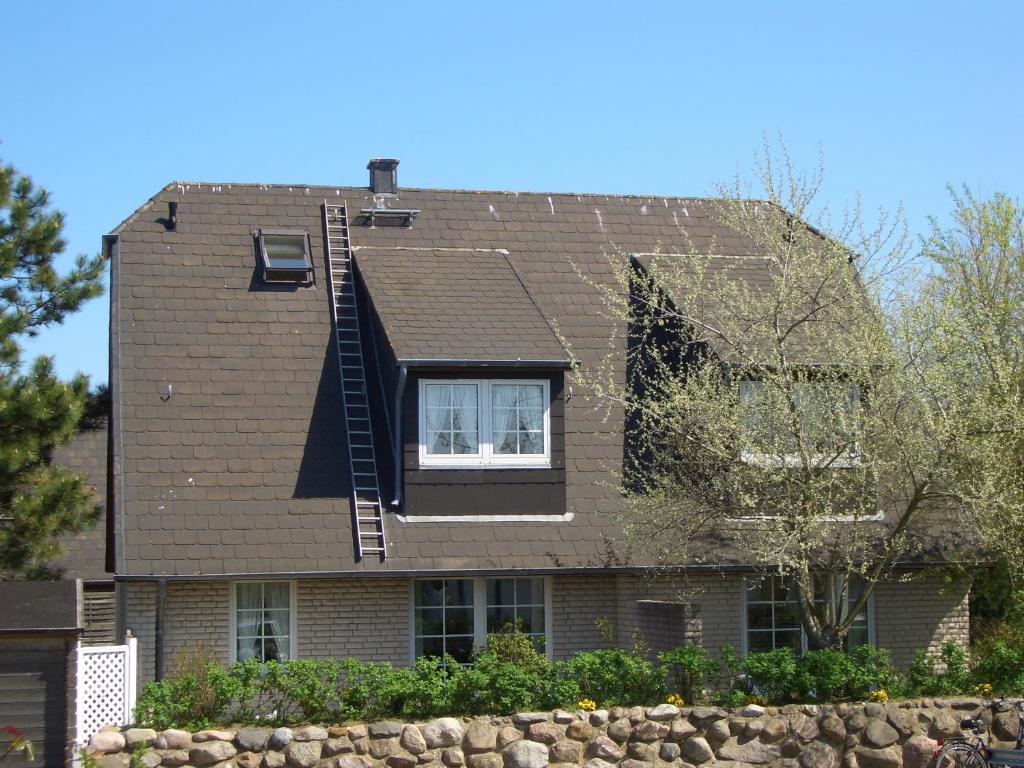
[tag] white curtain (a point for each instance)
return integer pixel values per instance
(504, 418)
(465, 438)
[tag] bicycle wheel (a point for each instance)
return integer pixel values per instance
(959, 755)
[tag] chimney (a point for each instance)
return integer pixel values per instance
(383, 176)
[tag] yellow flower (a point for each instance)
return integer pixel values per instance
(587, 705)
(983, 689)
(760, 701)
(675, 699)
(881, 695)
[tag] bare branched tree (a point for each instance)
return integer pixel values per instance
(788, 401)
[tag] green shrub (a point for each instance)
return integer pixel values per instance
(823, 675)
(687, 671)
(872, 671)
(999, 659)
(614, 676)
(772, 674)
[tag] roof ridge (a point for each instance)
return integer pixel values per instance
(456, 190)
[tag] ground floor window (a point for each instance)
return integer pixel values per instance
(263, 620)
(772, 619)
(450, 616)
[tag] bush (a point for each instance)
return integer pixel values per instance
(872, 671)
(772, 674)
(687, 670)
(999, 659)
(614, 676)
(824, 675)
(923, 677)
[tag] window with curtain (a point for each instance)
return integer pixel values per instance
(773, 619)
(828, 415)
(484, 423)
(263, 621)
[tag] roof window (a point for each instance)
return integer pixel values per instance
(285, 256)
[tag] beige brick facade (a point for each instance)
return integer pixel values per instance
(921, 614)
(369, 618)
(366, 619)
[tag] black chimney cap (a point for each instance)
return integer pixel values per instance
(383, 175)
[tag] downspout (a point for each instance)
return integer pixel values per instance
(158, 628)
(396, 447)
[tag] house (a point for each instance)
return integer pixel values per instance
(342, 426)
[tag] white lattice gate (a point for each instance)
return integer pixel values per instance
(106, 686)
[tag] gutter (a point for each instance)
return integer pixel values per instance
(115, 559)
(443, 363)
(396, 440)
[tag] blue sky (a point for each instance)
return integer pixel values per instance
(105, 102)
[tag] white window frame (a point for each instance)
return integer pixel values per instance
(485, 457)
(292, 616)
(747, 582)
(792, 460)
(480, 610)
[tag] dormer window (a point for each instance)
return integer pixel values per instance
(484, 423)
(828, 414)
(285, 256)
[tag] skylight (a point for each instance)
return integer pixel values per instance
(285, 256)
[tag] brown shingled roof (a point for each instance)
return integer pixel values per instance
(240, 469)
(463, 305)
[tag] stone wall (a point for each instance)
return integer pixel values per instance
(869, 735)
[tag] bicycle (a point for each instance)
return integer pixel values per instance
(964, 752)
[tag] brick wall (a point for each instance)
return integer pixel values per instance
(576, 604)
(366, 619)
(207, 601)
(137, 609)
(921, 614)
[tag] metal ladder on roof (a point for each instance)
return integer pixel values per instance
(367, 511)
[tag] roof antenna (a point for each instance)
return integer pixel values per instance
(171, 222)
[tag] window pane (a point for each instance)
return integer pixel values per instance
(857, 636)
(429, 592)
(430, 646)
(501, 592)
(275, 648)
(458, 621)
(429, 621)
(788, 639)
(285, 251)
(531, 442)
(500, 618)
(439, 419)
(439, 442)
(760, 591)
(465, 442)
(458, 592)
(529, 591)
(758, 642)
(276, 596)
(461, 648)
(759, 617)
(531, 397)
(250, 596)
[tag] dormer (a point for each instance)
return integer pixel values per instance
(478, 374)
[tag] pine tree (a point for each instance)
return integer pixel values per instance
(38, 412)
